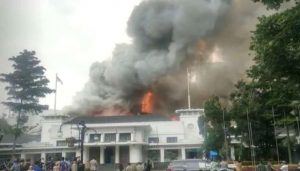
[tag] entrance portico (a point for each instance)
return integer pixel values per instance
(114, 154)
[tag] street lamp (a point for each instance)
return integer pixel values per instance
(82, 133)
(82, 128)
(1, 135)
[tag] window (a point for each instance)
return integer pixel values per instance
(171, 139)
(61, 143)
(111, 137)
(95, 137)
(171, 154)
(153, 140)
(153, 155)
(124, 137)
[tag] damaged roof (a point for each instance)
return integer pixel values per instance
(121, 119)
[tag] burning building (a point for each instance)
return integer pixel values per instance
(148, 76)
(167, 36)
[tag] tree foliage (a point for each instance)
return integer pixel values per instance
(214, 135)
(274, 79)
(25, 86)
(274, 4)
(274, 84)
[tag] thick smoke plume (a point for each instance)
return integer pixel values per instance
(208, 36)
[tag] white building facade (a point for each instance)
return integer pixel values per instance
(118, 139)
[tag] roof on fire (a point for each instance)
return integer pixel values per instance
(123, 119)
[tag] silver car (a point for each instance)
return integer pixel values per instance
(189, 165)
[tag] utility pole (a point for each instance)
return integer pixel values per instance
(188, 88)
(225, 136)
(276, 143)
(250, 139)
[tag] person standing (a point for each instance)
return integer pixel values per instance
(139, 167)
(269, 166)
(284, 166)
(93, 165)
(16, 166)
(120, 167)
(86, 165)
(148, 166)
(74, 166)
(64, 166)
(261, 167)
(238, 165)
(129, 167)
(37, 166)
(56, 167)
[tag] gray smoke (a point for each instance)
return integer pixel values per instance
(167, 36)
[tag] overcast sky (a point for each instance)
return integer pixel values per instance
(68, 36)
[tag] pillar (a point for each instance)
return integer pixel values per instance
(117, 154)
(232, 156)
(101, 155)
(162, 155)
(23, 156)
(135, 153)
(63, 154)
(183, 154)
(43, 155)
(117, 137)
(86, 154)
(77, 154)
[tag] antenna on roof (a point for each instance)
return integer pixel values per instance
(188, 87)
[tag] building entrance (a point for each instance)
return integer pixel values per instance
(94, 152)
(124, 154)
(109, 155)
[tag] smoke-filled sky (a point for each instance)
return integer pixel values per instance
(67, 35)
(108, 53)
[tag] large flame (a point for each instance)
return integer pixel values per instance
(147, 102)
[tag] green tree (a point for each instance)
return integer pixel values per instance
(5, 128)
(214, 136)
(274, 80)
(26, 85)
(274, 4)
(250, 112)
(276, 42)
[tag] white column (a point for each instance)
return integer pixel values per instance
(86, 154)
(135, 153)
(183, 155)
(63, 154)
(133, 136)
(117, 137)
(77, 154)
(101, 155)
(43, 155)
(102, 137)
(23, 156)
(117, 154)
(162, 155)
(232, 153)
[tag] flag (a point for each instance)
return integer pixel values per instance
(58, 79)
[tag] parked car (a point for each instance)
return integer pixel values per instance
(189, 165)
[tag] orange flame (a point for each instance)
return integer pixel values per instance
(147, 102)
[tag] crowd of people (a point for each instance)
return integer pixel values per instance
(147, 166)
(261, 166)
(66, 165)
(41, 165)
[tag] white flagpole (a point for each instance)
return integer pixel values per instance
(55, 93)
(188, 88)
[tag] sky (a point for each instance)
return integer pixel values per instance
(68, 36)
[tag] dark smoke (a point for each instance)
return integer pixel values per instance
(169, 36)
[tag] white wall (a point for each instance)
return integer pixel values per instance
(135, 153)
